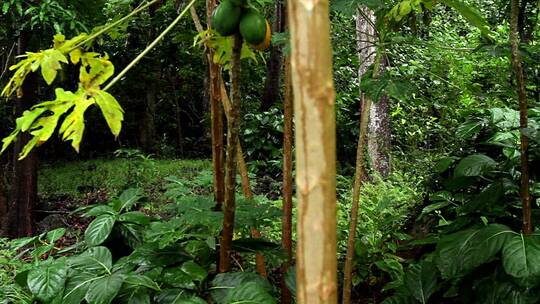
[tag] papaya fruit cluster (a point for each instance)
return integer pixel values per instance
(233, 16)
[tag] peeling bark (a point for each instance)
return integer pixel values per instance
(314, 106)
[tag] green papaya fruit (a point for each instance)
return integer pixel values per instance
(226, 18)
(253, 27)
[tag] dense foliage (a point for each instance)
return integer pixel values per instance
(126, 221)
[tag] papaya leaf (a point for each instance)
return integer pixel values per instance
(73, 126)
(95, 70)
(50, 64)
(111, 109)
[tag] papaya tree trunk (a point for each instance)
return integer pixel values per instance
(230, 161)
(286, 224)
(517, 63)
(244, 178)
(241, 163)
(314, 106)
(216, 113)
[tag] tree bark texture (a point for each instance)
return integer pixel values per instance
(230, 161)
(148, 125)
(216, 114)
(379, 132)
(286, 224)
(517, 63)
(21, 216)
(244, 178)
(273, 71)
(314, 107)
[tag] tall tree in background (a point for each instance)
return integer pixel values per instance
(20, 216)
(148, 126)
(275, 62)
(379, 120)
(517, 63)
(314, 104)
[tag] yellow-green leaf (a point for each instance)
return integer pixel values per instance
(50, 64)
(111, 109)
(73, 126)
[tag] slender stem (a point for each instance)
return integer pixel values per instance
(523, 116)
(108, 27)
(149, 47)
(230, 160)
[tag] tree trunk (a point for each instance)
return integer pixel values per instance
(517, 64)
(3, 203)
(230, 161)
(286, 224)
(148, 126)
(273, 70)
(314, 106)
(379, 120)
(216, 113)
(21, 217)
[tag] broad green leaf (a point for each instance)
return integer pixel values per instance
(250, 292)
(135, 217)
(111, 109)
(47, 281)
(178, 296)
(474, 165)
(443, 164)
(459, 253)
(105, 289)
(96, 259)
(194, 270)
(470, 14)
(55, 235)
(421, 280)
(100, 228)
(224, 283)
(521, 256)
(469, 129)
(77, 286)
(141, 281)
(128, 199)
(176, 277)
(100, 210)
